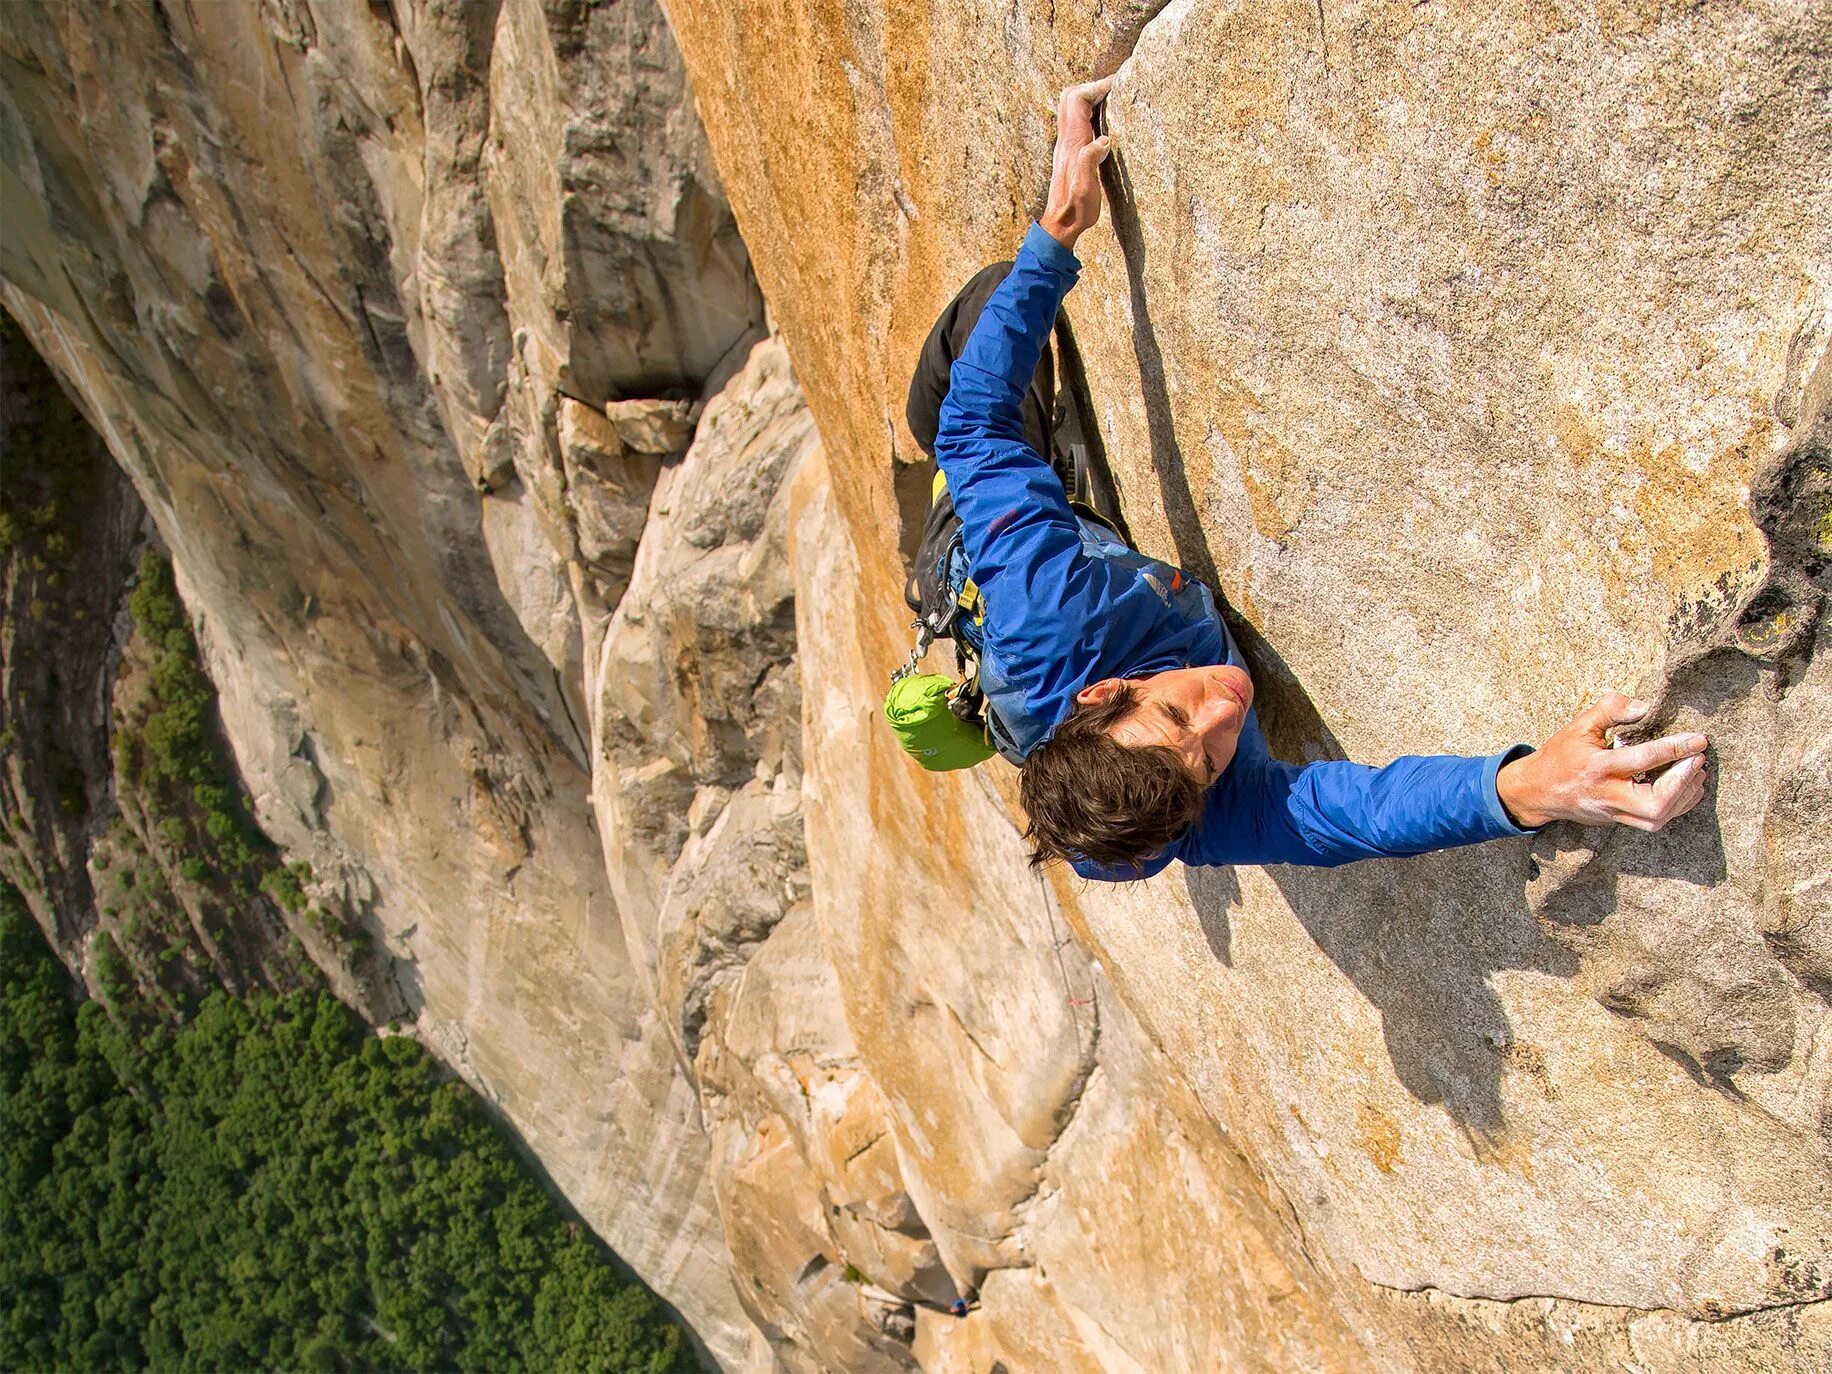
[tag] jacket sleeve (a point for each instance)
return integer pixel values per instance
(1022, 541)
(1324, 814)
(1010, 502)
(1321, 815)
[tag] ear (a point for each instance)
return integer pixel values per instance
(1098, 693)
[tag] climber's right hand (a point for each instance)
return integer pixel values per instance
(1075, 192)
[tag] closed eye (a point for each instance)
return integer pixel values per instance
(1182, 718)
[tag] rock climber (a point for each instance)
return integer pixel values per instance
(1115, 681)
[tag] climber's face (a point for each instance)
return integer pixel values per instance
(1198, 712)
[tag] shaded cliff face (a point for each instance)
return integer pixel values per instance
(1479, 359)
(325, 278)
(68, 525)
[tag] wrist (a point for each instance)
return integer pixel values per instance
(1521, 796)
(1059, 226)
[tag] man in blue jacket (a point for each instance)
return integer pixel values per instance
(1117, 683)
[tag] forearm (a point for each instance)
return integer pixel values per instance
(1325, 814)
(1075, 192)
(982, 416)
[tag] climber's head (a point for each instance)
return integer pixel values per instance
(1125, 773)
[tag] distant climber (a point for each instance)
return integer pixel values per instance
(1110, 678)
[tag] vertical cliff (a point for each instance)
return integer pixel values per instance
(327, 278)
(1477, 355)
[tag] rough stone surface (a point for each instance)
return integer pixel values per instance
(1472, 354)
(656, 427)
(1476, 354)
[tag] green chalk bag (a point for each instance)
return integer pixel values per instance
(930, 733)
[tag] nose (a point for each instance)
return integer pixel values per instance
(1221, 708)
(1216, 712)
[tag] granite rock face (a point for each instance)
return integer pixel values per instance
(1478, 356)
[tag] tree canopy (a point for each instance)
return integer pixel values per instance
(272, 1185)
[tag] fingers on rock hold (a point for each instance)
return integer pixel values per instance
(1688, 770)
(1678, 790)
(1634, 759)
(1608, 710)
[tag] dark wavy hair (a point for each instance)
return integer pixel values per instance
(1090, 797)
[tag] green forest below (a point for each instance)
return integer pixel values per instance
(271, 1185)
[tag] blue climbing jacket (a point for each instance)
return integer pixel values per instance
(1062, 612)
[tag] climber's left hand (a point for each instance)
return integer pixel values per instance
(1578, 775)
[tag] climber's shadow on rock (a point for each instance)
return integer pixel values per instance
(1576, 873)
(1423, 938)
(1419, 938)
(1179, 502)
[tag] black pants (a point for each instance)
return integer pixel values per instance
(946, 341)
(1058, 424)
(1058, 412)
